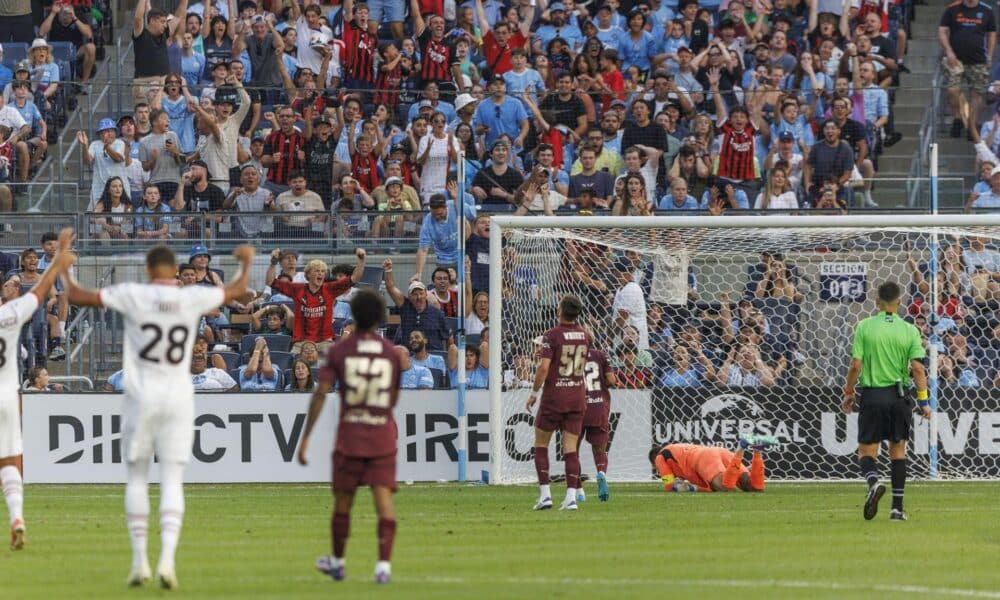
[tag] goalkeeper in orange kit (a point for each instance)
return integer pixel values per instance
(712, 469)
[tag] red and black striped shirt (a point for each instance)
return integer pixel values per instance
(736, 157)
(288, 145)
(437, 57)
(360, 60)
(387, 88)
(365, 170)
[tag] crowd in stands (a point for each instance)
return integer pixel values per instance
(333, 116)
(48, 54)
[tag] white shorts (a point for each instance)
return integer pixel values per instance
(10, 428)
(166, 428)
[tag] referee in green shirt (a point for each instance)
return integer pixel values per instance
(886, 350)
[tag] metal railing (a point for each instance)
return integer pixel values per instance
(80, 335)
(927, 135)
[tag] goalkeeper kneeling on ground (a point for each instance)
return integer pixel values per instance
(711, 469)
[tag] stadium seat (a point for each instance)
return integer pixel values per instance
(9, 263)
(14, 53)
(235, 374)
(220, 273)
(338, 325)
(232, 359)
(276, 342)
(65, 52)
(372, 278)
(442, 353)
(281, 360)
(472, 339)
(440, 379)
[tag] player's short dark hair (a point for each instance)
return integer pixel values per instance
(160, 256)
(368, 309)
(49, 236)
(889, 292)
(570, 307)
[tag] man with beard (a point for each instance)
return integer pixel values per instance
(197, 195)
(420, 356)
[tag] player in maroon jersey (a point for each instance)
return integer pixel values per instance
(599, 378)
(564, 399)
(367, 367)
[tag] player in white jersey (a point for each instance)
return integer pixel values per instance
(161, 320)
(13, 316)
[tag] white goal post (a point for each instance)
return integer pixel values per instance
(770, 360)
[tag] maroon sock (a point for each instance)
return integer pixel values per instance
(386, 535)
(542, 465)
(341, 526)
(572, 461)
(601, 461)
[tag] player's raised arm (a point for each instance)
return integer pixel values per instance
(75, 293)
(237, 288)
(315, 408)
(61, 263)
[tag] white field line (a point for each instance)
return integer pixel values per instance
(713, 583)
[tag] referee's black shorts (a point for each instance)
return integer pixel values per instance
(884, 416)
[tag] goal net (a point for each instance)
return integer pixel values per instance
(721, 326)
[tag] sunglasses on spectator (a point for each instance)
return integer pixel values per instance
(438, 121)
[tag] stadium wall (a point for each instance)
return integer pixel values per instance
(76, 438)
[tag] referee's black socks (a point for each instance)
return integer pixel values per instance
(870, 471)
(898, 482)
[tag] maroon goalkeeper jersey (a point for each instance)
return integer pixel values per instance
(367, 367)
(566, 346)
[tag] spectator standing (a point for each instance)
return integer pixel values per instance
(264, 46)
(108, 157)
(314, 301)
(830, 159)
(16, 22)
(434, 157)
(64, 24)
(501, 38)
(501, 115)
(567, 106)
(968, 34)
(150, 32)
(217, 34)
(415, 312)
(160, 153)
(284, 151)
(629, 307)
(440, 231)
(438, 60)
(361, 45)
(477, 250)
(313, 38)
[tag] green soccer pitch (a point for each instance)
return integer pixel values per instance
(459, 541)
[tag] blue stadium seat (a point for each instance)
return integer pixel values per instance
(472, 339)
(275, 342)
(281, 360)
(372, 278)
(440, 379)
(14, 53)
(232, 359)
(63, 51)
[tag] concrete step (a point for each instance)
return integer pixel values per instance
(909, 113)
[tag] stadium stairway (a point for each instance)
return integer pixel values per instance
(913, 98)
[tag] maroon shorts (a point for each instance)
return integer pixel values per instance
(596, 436)
(597, 415)
(352, 472)
(552, 420)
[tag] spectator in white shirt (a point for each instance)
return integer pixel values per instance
(777, 194)
(629, 307)
(212, 380)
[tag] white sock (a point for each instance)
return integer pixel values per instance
(571, 494)
(171, 512)
(13, 492)
(382, 566)
(137, 510)
(62, 328)
(544, 491)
